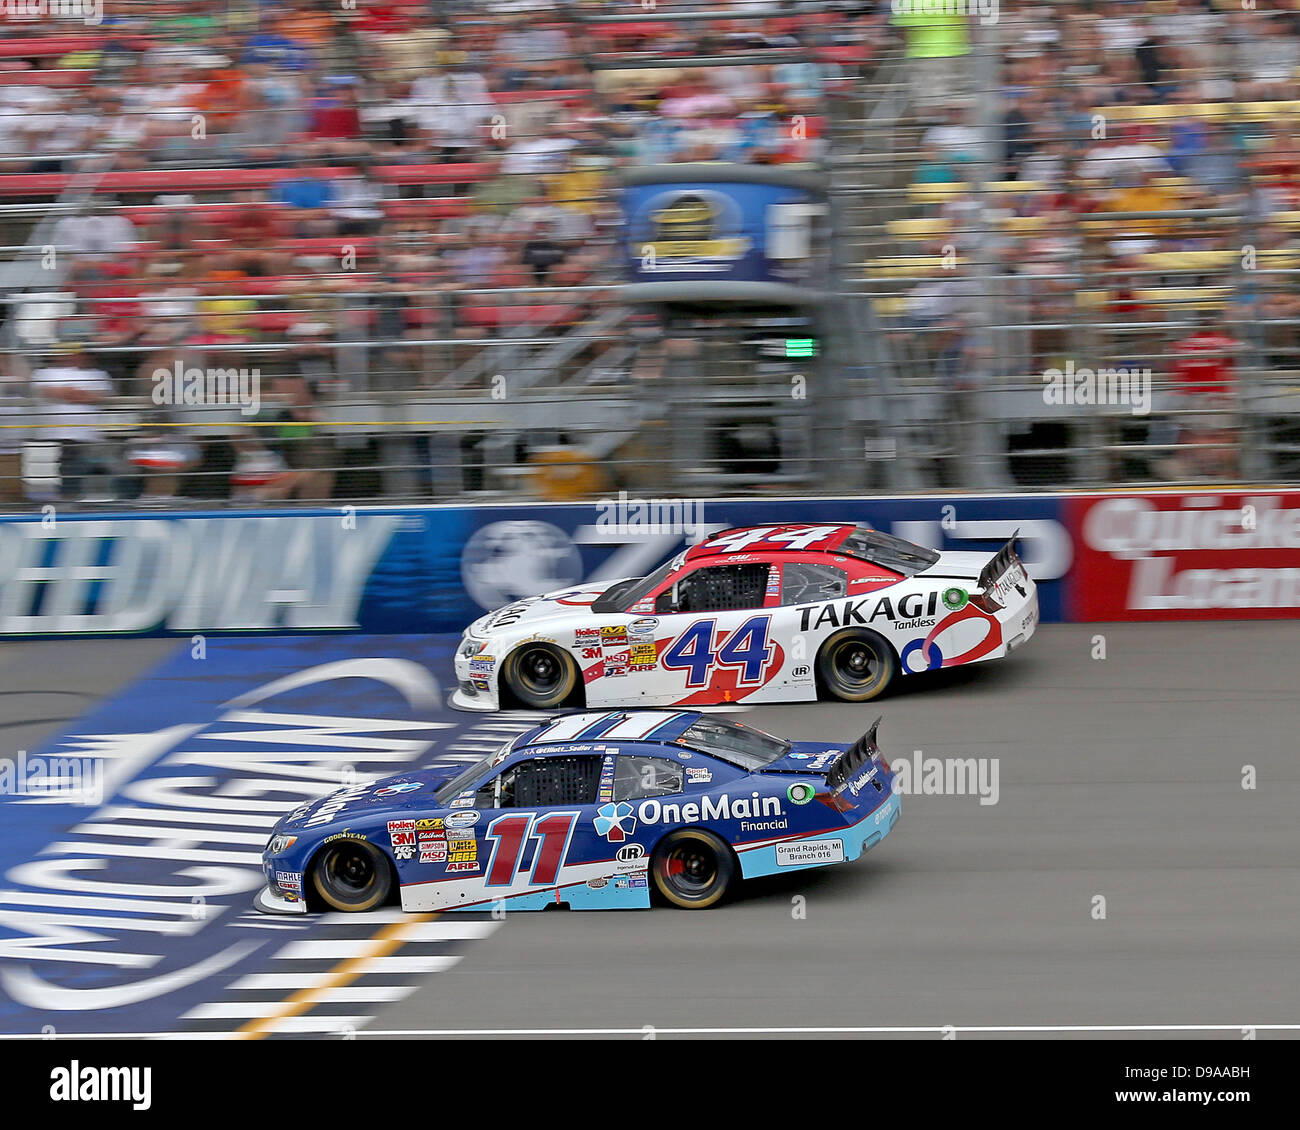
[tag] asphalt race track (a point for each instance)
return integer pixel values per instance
(1118, 778)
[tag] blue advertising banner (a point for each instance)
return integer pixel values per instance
(424, 569)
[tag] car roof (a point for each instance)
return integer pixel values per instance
(831, 538)
(649, 727)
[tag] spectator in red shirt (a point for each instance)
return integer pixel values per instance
(1204, 373)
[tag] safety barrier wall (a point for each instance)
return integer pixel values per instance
(1107, 556)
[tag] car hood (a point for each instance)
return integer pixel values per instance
(565, 604)
(397, 793)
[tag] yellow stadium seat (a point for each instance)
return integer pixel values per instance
(1189, 260)
(935, 193)
(907, 266)
(929, 228)
(889, 307)
(1016, 186)
(1278, 259)
(1025, 225)
(1185, 297)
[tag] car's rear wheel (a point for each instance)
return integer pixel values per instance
(352, 875)
(692, 868)
(856, 665)
(540, 676)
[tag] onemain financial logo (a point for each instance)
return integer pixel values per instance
(986, 11)
(89, 12)
(209, 388)
(54, 780)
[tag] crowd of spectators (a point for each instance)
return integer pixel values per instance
(391, 176)
(1129, 191)
(366, 193)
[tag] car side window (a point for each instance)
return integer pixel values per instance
(719, 588)
(544, 781)
(803, 582)
(638, 777)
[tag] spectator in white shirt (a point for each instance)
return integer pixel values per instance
(99, 232)
(70, 402)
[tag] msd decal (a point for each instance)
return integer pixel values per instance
(1187, 556)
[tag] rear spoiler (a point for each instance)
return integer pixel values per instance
(999, 563)
(853, 758)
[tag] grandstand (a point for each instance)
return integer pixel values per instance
(413, 220)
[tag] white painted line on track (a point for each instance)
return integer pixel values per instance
(337, 1023)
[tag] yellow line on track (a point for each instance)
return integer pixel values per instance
(392, 937)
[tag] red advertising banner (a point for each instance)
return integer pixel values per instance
(1185, 555)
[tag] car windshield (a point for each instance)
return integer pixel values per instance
(730, 741)
(884, 549)
(623, 595)
(464, 779)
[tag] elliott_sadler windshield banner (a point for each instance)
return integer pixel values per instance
(434, 569)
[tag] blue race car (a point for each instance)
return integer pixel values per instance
(589, 810)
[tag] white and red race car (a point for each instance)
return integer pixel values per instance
(761, 614)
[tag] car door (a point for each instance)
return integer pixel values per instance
(802, 583)
(534, 828)
(719, 645)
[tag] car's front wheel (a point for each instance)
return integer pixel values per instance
(856, 665)
(540, 676)
(352, 875)
(692, 868)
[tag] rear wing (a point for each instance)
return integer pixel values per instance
(852, 759)
(999, 564)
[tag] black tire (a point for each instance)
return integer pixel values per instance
(856, 665)
(352, 875)
(692, 868)
(540, 676)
